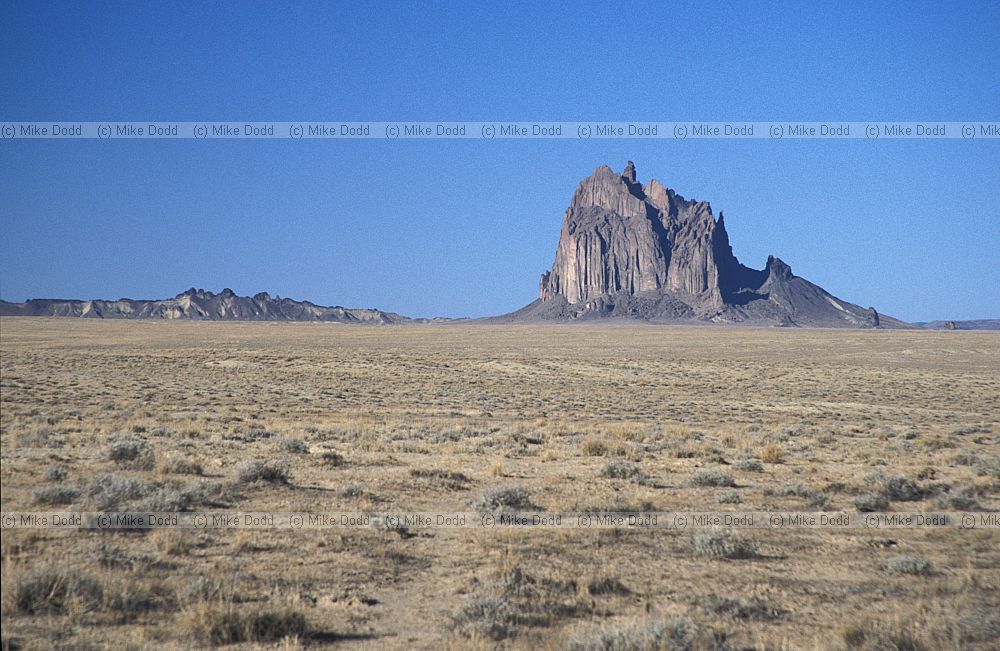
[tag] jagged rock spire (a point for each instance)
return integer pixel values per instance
(620, 237)
(629, 172)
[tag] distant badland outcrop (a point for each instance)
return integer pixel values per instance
(644, 251)
(974, 324)
(203, 305)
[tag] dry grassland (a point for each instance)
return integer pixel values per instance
(308, 417)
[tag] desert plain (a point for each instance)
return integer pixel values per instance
(608, 417)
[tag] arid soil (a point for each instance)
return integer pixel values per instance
(187, 416)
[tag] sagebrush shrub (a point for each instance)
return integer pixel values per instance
(504, 499)
(870, 502)
(131, 452)
(711, 478)
(724, 545)
(909, 564)
(264, 470)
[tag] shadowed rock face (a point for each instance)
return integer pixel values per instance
(625, 247)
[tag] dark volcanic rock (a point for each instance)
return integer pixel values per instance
(646, 252)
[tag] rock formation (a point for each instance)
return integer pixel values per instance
(625, 250)
(201, 305)
(975, 324)
(646, 252)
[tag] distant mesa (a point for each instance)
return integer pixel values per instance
(645, 252)
(199, 304)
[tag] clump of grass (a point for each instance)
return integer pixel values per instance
(333, 459)
(504, 499)
(225, 623)
(903, 489)
(184, 498)
(816, 499)
(132, 452)
(870, 502)
(486, 615)
(729, 545)
(773, 454)
(711, 478)
(41, 437)
(53, 495)
(593, 447)
(676, 634)
(181, 466)
(213, 615)
(351, 490)
(451, 479)
(111, 555)
(208, 588)
(965, 457)
(987, 466)
(448, 475)
(109, 492)
(256, 434)
(171, 542)
(963, 430)
(896, 487)
(607, 585)
(56, 472)
(728, 497)
(752, 608)
(617, 506)
(126, 599)
(513, 600)
(749, 465)
(880, 636)
(293, 445)
(50, 590)
(909, 564)
(262, 470)
(621, 469)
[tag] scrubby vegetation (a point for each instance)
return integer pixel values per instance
(725, 544)
(101, 416)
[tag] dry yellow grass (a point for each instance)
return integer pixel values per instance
(340, 418)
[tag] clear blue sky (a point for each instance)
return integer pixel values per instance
(465, 228)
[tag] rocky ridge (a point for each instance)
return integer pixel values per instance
(199, 304)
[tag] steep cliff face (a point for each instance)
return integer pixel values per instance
(619, 236)
(626, 249)
(611, 241)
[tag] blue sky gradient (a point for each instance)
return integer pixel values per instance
(457, 228)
